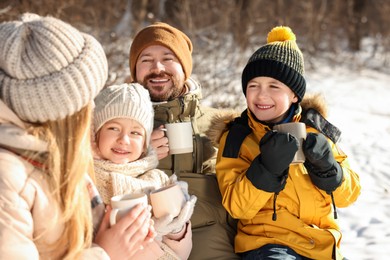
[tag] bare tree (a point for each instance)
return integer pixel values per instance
(355, 14)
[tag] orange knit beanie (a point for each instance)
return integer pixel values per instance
(166, 35)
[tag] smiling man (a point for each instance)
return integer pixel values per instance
(161, 73)
(161, 60)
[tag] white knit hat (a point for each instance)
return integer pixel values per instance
(48, 69)
(124, 101)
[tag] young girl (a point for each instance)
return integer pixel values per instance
(284, 210)
(126, 163)
(49, 74)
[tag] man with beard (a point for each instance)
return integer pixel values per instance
(160, 60)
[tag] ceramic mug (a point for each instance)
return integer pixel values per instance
(298, 130)
(179, 137)
(167, 200)
(122, 204)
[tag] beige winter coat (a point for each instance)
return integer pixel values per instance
(28, 213)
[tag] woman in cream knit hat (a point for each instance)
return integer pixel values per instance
(49, 74)
(126, 163)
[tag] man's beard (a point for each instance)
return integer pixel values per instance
(173, 92)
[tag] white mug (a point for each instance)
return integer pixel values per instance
(122, 204)
(179, 137)
(167, 200)
(298, 130)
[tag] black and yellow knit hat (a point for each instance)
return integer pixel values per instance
(280, 59)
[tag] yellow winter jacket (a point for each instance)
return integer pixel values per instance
(305, 220)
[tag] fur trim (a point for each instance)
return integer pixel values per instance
(219, 124)
(315, 101)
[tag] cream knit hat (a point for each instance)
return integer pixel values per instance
(124, 101)
(48, 69)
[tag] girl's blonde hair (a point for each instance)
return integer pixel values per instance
(69, 159)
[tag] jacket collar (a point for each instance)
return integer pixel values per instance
(13, 132)
(182, 108)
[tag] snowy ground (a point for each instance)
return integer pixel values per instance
(360, 106)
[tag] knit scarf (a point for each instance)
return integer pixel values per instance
(138, 176)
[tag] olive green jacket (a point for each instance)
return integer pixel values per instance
(184, 109)
(213, 230)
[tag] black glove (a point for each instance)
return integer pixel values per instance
(269, 170)
(323, 169)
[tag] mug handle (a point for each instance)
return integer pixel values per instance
(113, 214)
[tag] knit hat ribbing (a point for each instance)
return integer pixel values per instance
(162, 34)
(48, 69)
(280, 59)
(124, 101)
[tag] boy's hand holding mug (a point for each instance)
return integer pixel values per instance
(324, 171)
(269, 170)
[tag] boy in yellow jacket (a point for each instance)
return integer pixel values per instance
(284, 210)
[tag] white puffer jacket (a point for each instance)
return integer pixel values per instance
(28, 212)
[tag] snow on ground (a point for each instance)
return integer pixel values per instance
(359, 104)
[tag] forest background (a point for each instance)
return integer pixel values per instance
(226, 32)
